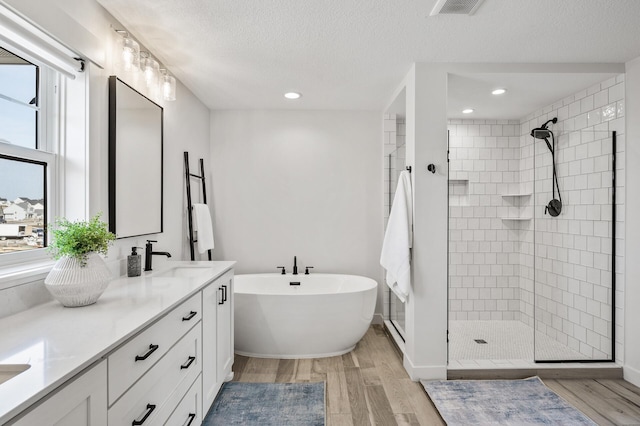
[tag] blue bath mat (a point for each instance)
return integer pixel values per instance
(268, 404)
(502, 402)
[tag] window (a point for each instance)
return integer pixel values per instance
(26, 155)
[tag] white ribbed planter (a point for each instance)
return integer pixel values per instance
(75, 285)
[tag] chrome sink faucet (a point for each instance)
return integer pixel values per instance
(148, 254)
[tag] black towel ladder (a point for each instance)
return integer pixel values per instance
(188, 175)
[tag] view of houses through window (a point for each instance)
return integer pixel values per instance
(22, 178)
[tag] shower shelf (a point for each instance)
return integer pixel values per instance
(515, 218)
(517, 195)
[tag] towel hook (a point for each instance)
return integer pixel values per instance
(409, 169)
(431, 168)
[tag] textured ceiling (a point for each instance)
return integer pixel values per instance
(352, 54)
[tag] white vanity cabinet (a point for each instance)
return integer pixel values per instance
(83, 402)
(151, 373)
(166, 369)
(217, 336)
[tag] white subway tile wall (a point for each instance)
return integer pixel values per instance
(484, 197)
(573, 252)
(495, 166)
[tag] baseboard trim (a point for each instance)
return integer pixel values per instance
(424, 372)
(377, 319)
(631, 375)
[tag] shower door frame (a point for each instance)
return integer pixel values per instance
(613, 274)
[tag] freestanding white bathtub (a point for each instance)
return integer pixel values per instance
(325, 315)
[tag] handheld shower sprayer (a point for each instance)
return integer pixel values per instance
(554, 207)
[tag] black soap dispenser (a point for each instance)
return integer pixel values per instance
(134, 263)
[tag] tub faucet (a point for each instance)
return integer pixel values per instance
(295, 266)
(148, 254)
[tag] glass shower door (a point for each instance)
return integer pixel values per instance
(568, 265)
(396, 308)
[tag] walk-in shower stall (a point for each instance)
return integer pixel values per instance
(533, 212)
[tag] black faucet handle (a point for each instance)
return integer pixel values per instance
(283, 269)
(152, 241)
(306, 269)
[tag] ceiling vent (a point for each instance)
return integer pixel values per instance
(455, 7)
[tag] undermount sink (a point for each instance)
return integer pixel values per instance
(183, 272)
(9, 371)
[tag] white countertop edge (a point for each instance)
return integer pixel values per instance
(15, 397)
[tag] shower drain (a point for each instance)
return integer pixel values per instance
(480, 341)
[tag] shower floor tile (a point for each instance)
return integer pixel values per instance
(509, 344)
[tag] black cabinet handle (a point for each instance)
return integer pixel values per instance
(191, 417)
(152, 349)
(221, 302)
(150, 408)
(188, 363)
(191, 315)
(224, 293)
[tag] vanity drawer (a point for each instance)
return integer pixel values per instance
(128, 363)
(155, 396)
(189, 411)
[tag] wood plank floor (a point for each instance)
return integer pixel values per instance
(369, 386)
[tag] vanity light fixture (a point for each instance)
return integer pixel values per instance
(467, 110)
(129, 59)
(168, 83)
(130, 51)
(150, 68)
(499, 92)
(292, 95)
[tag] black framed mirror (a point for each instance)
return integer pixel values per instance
(135, 162)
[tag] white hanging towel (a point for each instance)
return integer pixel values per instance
(398, 239)
(202, 224)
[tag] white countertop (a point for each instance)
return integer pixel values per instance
(60, 342)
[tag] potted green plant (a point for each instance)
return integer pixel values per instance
(80, 275)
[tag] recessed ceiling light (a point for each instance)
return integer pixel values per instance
(292, 95)
(467, 110)
(499, 92)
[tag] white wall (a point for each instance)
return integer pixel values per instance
(426, 142)
(298, 183)
(186, 128)
(631, 269)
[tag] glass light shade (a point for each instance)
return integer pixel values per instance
(151, 70)
(168, 87)
(130, 53)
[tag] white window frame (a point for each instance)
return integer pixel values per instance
(62, 137)
(20, 267)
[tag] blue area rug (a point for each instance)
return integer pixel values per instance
(268, 404)
(501, 402)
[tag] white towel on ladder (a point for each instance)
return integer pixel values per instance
(398, 239)
(203, 225)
